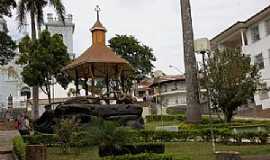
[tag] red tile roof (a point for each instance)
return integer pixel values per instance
(169, 78)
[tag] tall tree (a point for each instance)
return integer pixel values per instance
(7, 45)
(193, 101)
(48, 55)
(140, 56)
(6, 6)
(232, 80)
(35, 9)
(7, 48)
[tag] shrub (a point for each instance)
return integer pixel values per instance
(224, 135)
(175, 110)
(145, 156)
(131, 149)
(47, 139)
(101, 132)
(19, 147)
(156, 118)
(64, 131)
(253, 137)
(263, 137)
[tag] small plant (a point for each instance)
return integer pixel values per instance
(108, 133)
(64, 132)
(19, 147)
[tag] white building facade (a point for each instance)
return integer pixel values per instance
(170, 93)
(10, 80)
(253, 37)
(56, 26)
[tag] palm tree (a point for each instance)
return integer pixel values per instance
(193, 101)
(36, 9)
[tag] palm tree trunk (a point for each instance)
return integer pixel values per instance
(193, 102)
(35, 89)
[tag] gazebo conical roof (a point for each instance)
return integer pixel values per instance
(98, 61)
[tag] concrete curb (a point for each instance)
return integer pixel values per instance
(5, 151)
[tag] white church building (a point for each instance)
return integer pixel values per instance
(10, 78)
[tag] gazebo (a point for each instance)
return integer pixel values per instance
(98, 61)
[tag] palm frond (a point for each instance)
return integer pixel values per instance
(39, 12)
(60, 9)
(21, 12)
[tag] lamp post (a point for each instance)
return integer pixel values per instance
(157, 78)
(201, 47)
(208, 100)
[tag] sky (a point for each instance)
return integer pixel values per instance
(155, 23)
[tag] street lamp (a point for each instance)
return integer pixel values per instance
(202, 46)
(157, 79)
(176, 68)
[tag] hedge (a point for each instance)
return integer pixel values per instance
(47, 139)
(156, 118)
(221, 135)
(206, 121)
(131, 149)
(146, 156)
(19, 147)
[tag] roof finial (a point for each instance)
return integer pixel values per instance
(97, 9)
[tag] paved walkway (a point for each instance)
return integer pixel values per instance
(6, 144)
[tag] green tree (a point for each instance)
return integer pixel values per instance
(7, 45)
(6, 6)
(140, 56)
(48, 55)
(193, 100)
(36, 9)
(232, 80)
(7, 48)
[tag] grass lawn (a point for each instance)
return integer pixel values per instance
(153, 125)
(189, 150)
(195, 150)
(83, 154)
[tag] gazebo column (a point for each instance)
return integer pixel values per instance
(86, 86)
(92, 80)
(108, 85)
(108, 88)
(93, 87)
(77, 82)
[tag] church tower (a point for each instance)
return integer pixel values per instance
(56, 26)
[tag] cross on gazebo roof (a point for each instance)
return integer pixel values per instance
(97, 9)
